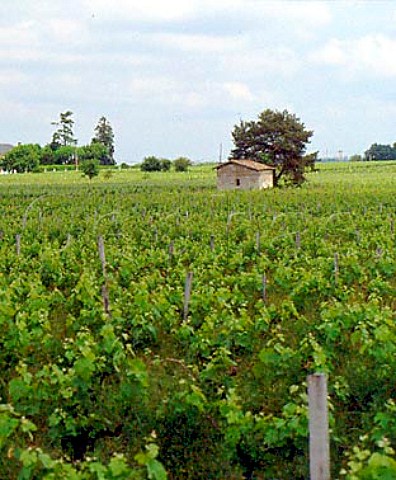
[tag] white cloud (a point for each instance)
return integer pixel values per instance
(67, 31)
(196, 43)
(18, 35)
(373, 55)
(147, 10)
(239, 91)
(11, 77)
(152, 86)
(263, 60)
(333, 53)
(315, 14)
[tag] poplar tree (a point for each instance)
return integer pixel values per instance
(104, 135)
(64, 135)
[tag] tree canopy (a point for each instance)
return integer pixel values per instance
(22, 158)
(104, 135)
(181, 164)
(95, 151)
(64, 135)
(380, 152)
(151, 164)
(90, 167)
(276, 138)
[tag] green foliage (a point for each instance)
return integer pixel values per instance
(356, 158)
(144, 389)
(95, 151)
(380, 467)
(151, 164)
(22, 158)
(90, 167)
(182, 164)
(278, 139)
(165, 164)
(65, 155)
(64, 135)
(380, 152)
(47, 156)
(104, 136)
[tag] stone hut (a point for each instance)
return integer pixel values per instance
(244, 175)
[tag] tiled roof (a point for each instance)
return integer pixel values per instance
(251, 164)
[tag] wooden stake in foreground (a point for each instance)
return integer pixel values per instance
(319, 447)
(105, 290)
(264, 284)
(187, 294)
(18, 244)
(102, 256)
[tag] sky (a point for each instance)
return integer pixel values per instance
(174, 76)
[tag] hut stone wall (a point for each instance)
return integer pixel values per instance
(234, 177)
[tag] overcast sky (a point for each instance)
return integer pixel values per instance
(174, 76)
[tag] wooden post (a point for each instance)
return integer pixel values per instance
(264, 282)
(102, 255)
(212, 244)
(106, 299)
(187, 294)
(171, 251)
(319, 446)
(298, 240)
(105, 290)
(336, 268)
(18, 244)
(68, 240)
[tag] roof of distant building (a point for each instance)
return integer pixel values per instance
(5, 147)
(251, 164)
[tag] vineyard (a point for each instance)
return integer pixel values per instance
(153, 327)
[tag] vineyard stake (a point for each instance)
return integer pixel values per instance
(298, 240)
(106, 298)
(187, 293)
(212, 244)
(171, 251)
(336, 268)
(102, 255)
(264, 282)
(105, 290)
(319, 447)
(18, 244)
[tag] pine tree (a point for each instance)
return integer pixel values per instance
(278, 139)
(64, 135)
(104, 134)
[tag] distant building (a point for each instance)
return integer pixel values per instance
(244, 175)
(4, 148)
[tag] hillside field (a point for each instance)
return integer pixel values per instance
(153, 327)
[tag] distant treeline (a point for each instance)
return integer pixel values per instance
(63, 148)
(380, 152)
